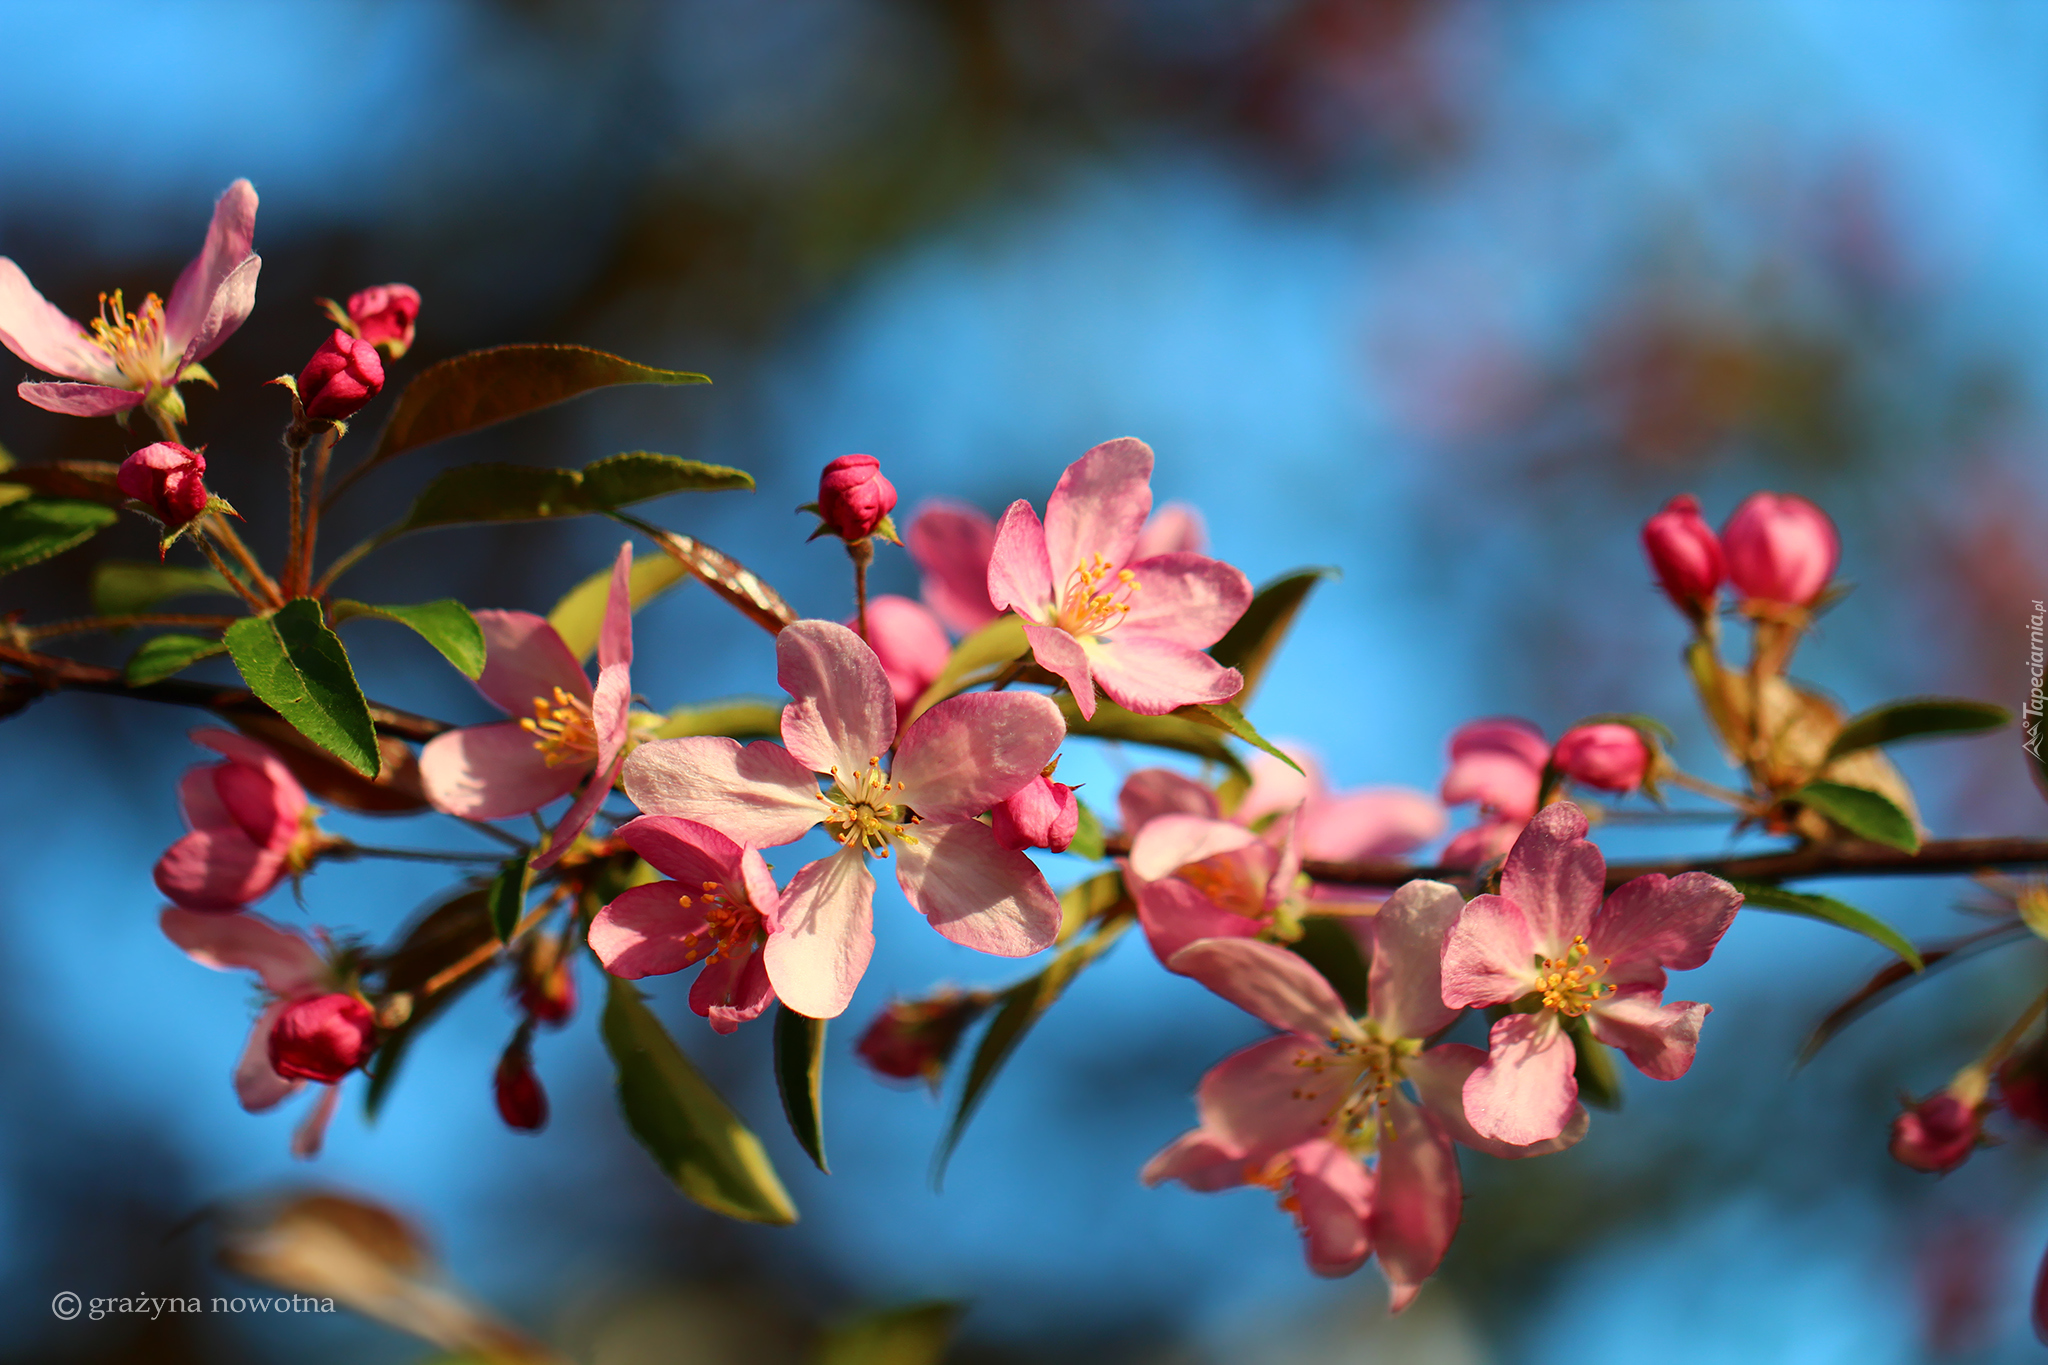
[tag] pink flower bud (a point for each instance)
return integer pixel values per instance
(322, 1038)
(1938, 1134)
(1685, 554)
(384, 316)
(1609, 756)
(853, 497)
(343, 375)
(521, 1101)
(1780, 548)
(916, 1038)
(167, 479)
(1041, 814)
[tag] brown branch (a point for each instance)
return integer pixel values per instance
(84, 624)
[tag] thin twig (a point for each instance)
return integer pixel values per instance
(484, 952)
(220, 566)
(85, 624)
(217, 527)
(323, 448)
(411, 855)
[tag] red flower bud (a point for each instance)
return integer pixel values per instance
(1938, 1134)
(543, 986)
(167, 479)
(916, 1038)
(322, 1038)
(2023, 1085)
(1685, 554)
(1780, 548)
(853, 497)
(1610, 756)
(343, 375)
(384, 315)
(1041, 814)
(521, 1101)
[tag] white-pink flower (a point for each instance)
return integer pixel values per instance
(127, 359)
(951, 765)
(1096, 613)
(1549, 942)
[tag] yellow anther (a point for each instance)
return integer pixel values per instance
(562, 728)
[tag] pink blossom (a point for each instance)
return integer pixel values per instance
(1549, 941)
(854, 497)
(1097, 615)
(1608, 756)
(1497, 762)
(1780, 549)
(166, 478)
(322, 1037)
(1174, 529)
(1194, 877)
(127, 359)
(911, 644)
(385, 315)
(1305, 1112)
(717, 908)
(1040, 814)
(1937, 1134)
(343, 376)
(1339, 827)
(290, 970)
(915, 1039)
(251, 825)
(574, 731)
(951, 765)
(1685, 554)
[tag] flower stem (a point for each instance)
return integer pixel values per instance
(323, 449)
(484, 952)
(217, 527)
(862, 552)
(295, 459)
(412, 855)
(220, 567)
(85, 624)
(1678, 778)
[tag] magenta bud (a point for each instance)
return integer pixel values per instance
(1040, 814)
(1685, 554)
(1780, 548)
(1938, 1134)
(913, 1039)
(385, 315)
(1609, 756)
(322, 1038)
(522, 1103)
(853, 497)
(2023, 1086)
(166, 478)
(343, 375)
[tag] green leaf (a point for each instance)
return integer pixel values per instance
(517, 492)
(1176, 731)
(1328, 946)
(799, 1074)
(579, 616)
(1084, 902)
(741, 718)
(693, 1136)
(159, 658)
(1224, 716)
(914, 1335)
(124, 587)
(444, 623)
(506, 895)
(1249, 645)
(469, 392)
(1021, 1007)
(296, 666)
(34, 529)
(1916, 718)
(1765, 896)
(1864, 813)
(1599, 1080)
(1088, 835)
(977, 658)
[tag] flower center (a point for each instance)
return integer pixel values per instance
(863, 810)
(133, 341)
(1097, 598)
(1228, 883)
(1570, 984)
(731, 925)
(563, 729)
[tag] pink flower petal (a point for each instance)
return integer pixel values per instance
(1497, 762)
(1152, 675)
(1336, 1196)
(265, 810)
(1653, 922)
(311, 1134)
(758, 795)
(1197, 1160)
(1173, 915)
(1166, 844)
(976, 892)
(230, 237)
(1556, 877)
(1188, 599)
(1416, 1203)
(970, 752)
(229, 309)
(257, 1084)
(608, 707)
(615, 636)
(685, 850)
(199, 800)
(822, 940)
(39, 332)
(1099, 506)
(731, 990)
(1174, 527)
(1659, 1038)
(1019, 574)
(1525, 1092)
(1484, 842)
(492, 772)
(286, 963)
(218, 869)
(647, 930)
(81, 400)
(1152, 792)
(1406, 987)
(841, 715)
(1266, 1098)
(1439, 1077)
(1382, 822)
(1489, 954)
(1061, 654)
(911, 646)
(526, 659)
(1269, 982)
(953, 543)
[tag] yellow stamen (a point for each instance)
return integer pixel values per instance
(1087, 606)
(1570, 984)
(564, 730)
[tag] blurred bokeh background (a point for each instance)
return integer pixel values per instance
(1447, 294)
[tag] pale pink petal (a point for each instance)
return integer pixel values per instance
(685, 850)
(1525, 1092)
(1152, 792)
(1502, 734)
(1188, 599)
(911, 645)
(969, 752)
(286, 963)
(257, 1086)
(841, 716)
(953, 543)
(1151, 675)
(199, 800)
(1497, 782)
(1170, 842)
(524, 659)
(1484, 842)
(1489, 954)
(1276, 787)
(81, 400)
(1197, 1160)
(39, 332)
(1266, 1098)
(1280, 837)
(229, 309)
(1174, 527)
(1019, 574)
(1099, 506)
(230, 237)
(976, 892)
(311, 1134)
(615, 636)
(821, 941)
(1269, 982)
(1061, 654)
(1405, 987)
(1415, 1206)
(647, 930)
(1555, 876)
(1653, 922)
(1174, 914)
(732, 988)
(758, 795)
(1659, 1038)
(1336, 1195)
(492, 772)
(218, 869)
(1381, 822)
(760, 885)
(1439, 1077)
